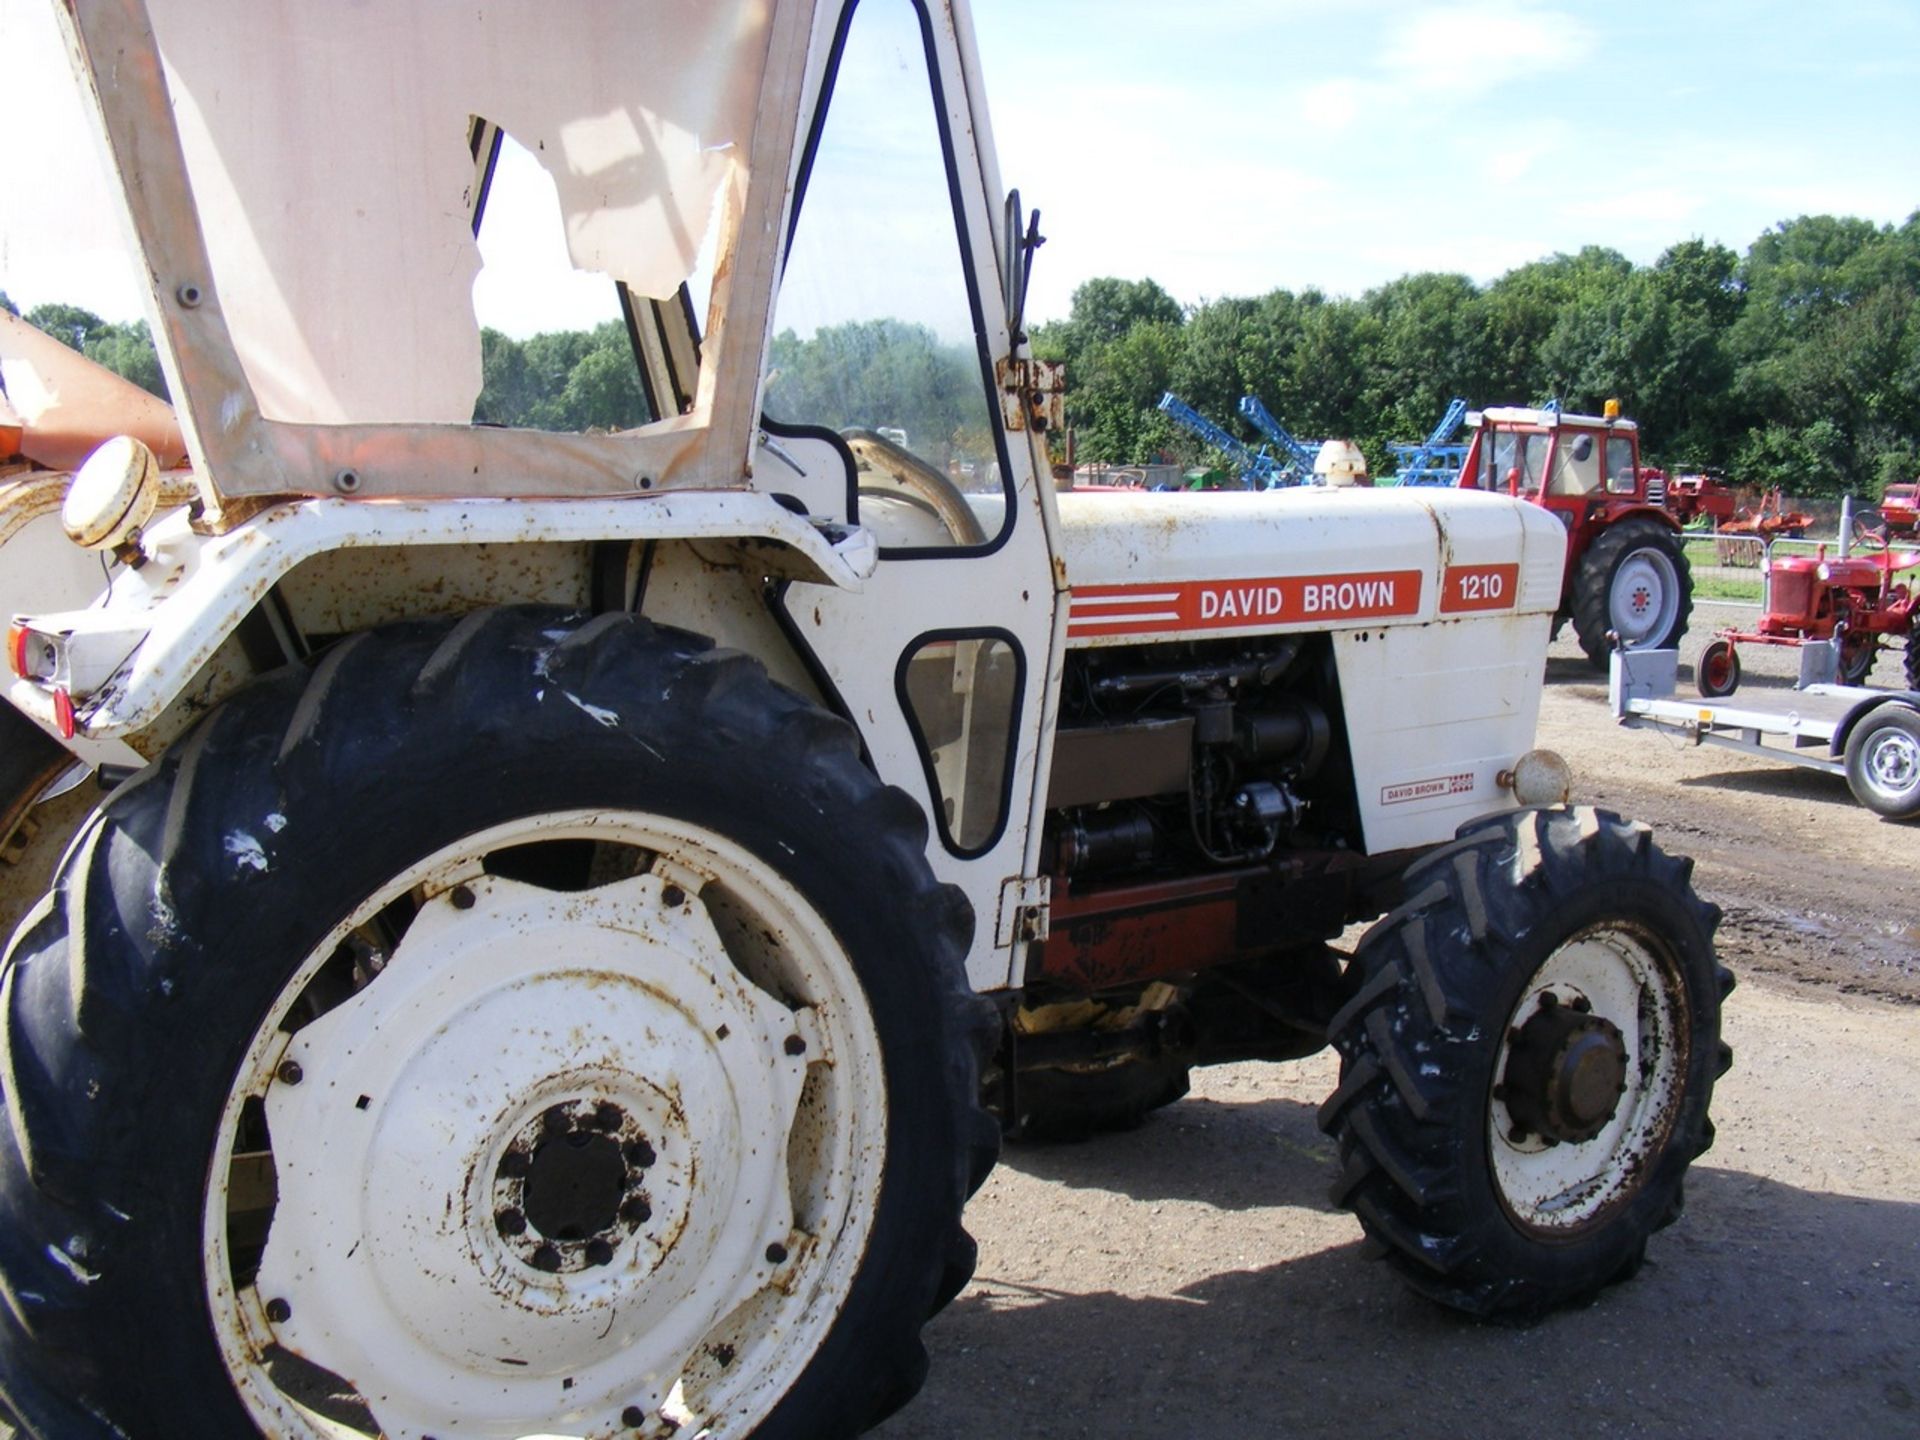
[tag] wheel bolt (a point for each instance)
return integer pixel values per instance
(290, 1072)
(633, 1417)
(638, 1152)
(1583, 1005)
(514, 1164)
(636, 1211)
(1518, 1134)
(776, 1254)
(608, 1116)
(557, 1121)
(673, 897)
(462, 897)
(546, 1258)
(1548, 1000)
(599, 1252)
(796, 1045)
(279, 1311)
(510, 1222)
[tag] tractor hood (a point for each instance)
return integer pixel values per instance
(1151, 565)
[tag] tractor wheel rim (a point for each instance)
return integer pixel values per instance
(1893, 761)
(1644, 598)
(1627, 994)
(599, 1159)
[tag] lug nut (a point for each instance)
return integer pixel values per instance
(776, 1254)
(673, 897)
(557, 1121)
(633, 1417)
(514, 1164)
(290, 1072)
(638, 1152)
(546, 1258)
(796, 1045)
(636, 1211)
(510, 1222)
(608, 1116)
(279, 1311)
(599, 1252)
(462, 897)
(1548, 1000)
(1518, 1134)
(1583, 1005)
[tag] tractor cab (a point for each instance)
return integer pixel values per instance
(1584, 468)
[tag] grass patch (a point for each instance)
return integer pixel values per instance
(1723, 587)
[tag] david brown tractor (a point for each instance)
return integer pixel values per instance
(572, 913)
(1627, 574)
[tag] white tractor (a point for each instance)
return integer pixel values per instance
(572, 913)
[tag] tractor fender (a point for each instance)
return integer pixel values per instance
(132, 654)
(1635, 510)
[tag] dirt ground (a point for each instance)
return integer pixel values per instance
(1190, 1278)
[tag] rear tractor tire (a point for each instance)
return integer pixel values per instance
(1634, 582)
(1527, 1063)
(489, 1030)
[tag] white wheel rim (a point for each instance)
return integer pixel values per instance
(1566, 1186)
(643, 1027)
(1893, 761)
(1644, 598)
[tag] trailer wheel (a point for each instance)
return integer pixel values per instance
(1527, 1063)
(1718, 672)
(1634, 581)
(1883, 762)
(491, 1030)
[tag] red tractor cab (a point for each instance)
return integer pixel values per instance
(1627, 573)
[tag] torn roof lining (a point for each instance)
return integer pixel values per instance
(332, 183)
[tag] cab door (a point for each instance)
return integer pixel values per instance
(889, 336)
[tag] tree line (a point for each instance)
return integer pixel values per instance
(1796, 364)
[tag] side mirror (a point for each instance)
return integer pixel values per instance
(1023, 237)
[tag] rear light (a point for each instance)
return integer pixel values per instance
(33, 656)
(63, 714)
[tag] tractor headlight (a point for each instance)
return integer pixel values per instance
(112, 496)
(1539, 777)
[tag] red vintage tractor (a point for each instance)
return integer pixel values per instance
(1858, 598)
(1627, 573)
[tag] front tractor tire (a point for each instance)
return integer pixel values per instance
(530, 1025)
(1633, 582)
(1527, 1061)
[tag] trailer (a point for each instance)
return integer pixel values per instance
(1871, 738)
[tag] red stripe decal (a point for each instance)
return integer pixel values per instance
(1237, 604)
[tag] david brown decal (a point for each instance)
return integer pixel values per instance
(1223, 604)
(1461, 784)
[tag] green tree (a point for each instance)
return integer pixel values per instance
(68, 324)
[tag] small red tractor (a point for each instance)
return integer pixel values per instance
(1899, 514)
(1626, 571)
(1857, 598)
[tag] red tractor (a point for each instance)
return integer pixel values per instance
(1627, 571)
(1856, 598)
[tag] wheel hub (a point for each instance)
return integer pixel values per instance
(572, 1186)
(1566, 1072)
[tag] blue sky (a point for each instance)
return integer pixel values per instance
(1228, 148)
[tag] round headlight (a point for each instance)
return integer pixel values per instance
(112, 496)
(1539, 777)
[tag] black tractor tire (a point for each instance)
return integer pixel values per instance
(1454, 988)
(1855, 662)
(1640, 542)
(1883, 761)
(129, 1005)
(1064, 1106)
